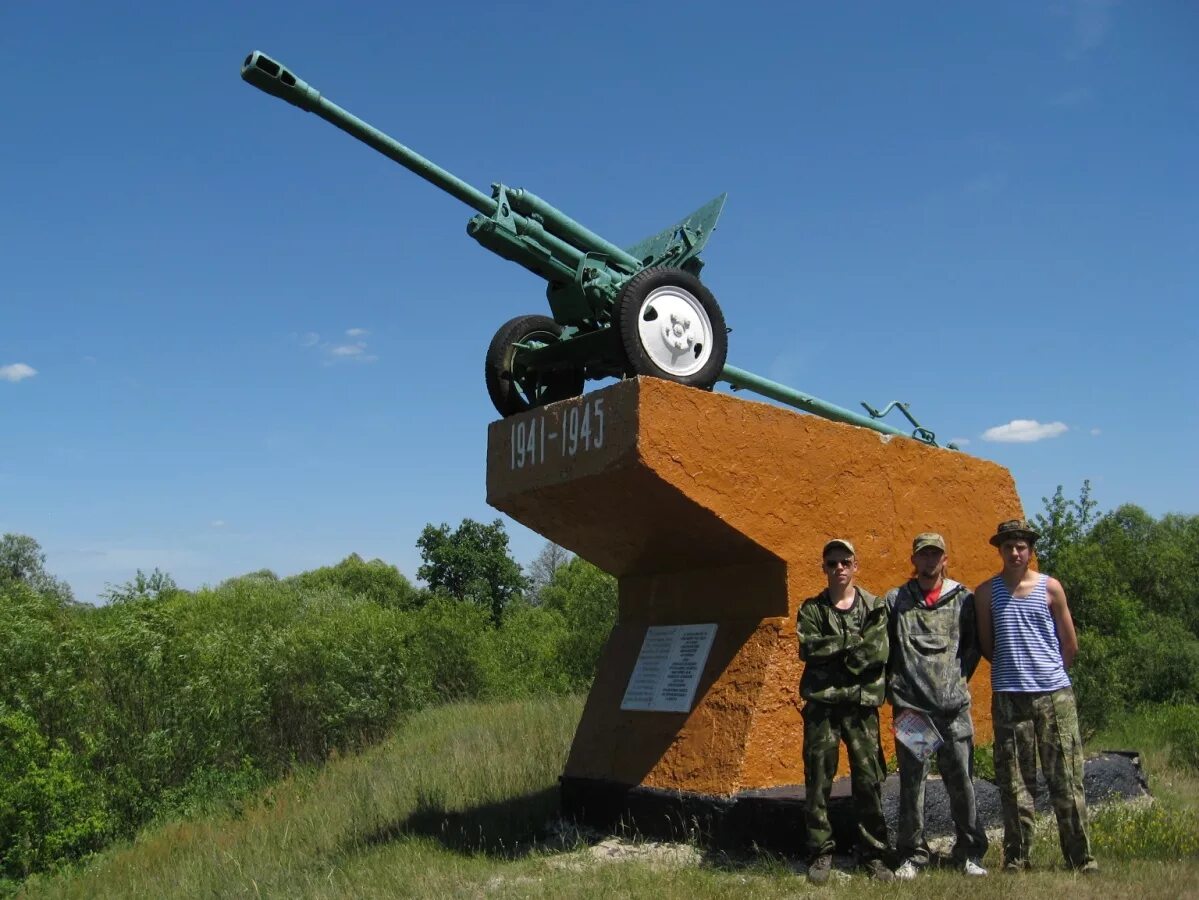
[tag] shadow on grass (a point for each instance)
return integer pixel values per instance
(508, 829)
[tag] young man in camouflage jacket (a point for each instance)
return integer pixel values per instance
(934, 651)
(843, 645)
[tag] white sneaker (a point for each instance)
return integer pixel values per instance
(907, 871)
(972, 868)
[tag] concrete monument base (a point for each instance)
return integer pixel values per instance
(711, 511)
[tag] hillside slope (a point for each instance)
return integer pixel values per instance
(457, 802)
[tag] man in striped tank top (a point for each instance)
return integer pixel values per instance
(1025, 629)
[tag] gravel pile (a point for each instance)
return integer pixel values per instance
(1112, 775)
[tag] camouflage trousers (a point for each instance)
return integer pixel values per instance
(1044, 725)
(826, 725)
(955, 760)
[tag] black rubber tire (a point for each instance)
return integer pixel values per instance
(633, 295)
(507, 395)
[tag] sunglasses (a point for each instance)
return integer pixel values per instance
(831, 564)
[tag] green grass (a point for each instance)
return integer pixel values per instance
(438, 805)
(1167, 829)
(456, 804)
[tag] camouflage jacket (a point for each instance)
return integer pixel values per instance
(844, 651)
(934, 650)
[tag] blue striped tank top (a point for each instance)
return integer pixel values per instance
(1027, 656)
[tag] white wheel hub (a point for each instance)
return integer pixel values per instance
(675, 330)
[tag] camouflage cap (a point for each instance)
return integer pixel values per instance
(1014, 529)
(839, 542)
(927, 539)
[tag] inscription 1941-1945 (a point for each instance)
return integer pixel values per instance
(560, 435)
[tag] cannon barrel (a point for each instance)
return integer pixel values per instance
(274, 78)
(277, 80)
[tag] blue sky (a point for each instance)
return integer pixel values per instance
(232, 338)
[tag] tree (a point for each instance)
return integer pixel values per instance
(22, 559)
(154, 586)
(545, 565)
(1064, 523)
(471, 564)
(1133, 585)
(376, 580)
(586, 598)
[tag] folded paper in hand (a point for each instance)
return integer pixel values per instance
(917, 732)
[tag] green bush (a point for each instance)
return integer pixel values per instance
(375, 581)
(51, 807)
(209, 790)
(1169, 728)
(443, 645)
(42, 652)
(169, 696)
(1100, 677)
(169, 702)
(1182, 729)
(984, 762)
(336, 678)
(1133, 587)
(1113, 674)
(523, 658)
(586, 598)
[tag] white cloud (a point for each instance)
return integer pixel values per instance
(1095, 432)
(331, 352)
(218, 523)
(961, 442)
(355, 352)
(16, 372)
(1024, 431)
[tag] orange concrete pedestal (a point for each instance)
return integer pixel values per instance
(713, 509)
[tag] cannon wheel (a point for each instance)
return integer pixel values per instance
(672, 327)
(516, 391)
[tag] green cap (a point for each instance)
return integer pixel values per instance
(927, 539)
(1014, 530)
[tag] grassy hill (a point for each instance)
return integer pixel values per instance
(460, 801)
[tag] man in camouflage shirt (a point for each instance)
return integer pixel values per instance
(843, 645)
(934, 651)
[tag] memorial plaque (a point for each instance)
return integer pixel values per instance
(668, 668)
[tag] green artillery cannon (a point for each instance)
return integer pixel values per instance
(615, 312)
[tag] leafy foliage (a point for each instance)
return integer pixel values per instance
(22, 561)
(472, 564)
(142, 587)
(50, 803)
(376, 581)
(167, 701)
(1064, 522)
(1133, 586)
(585, 597)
